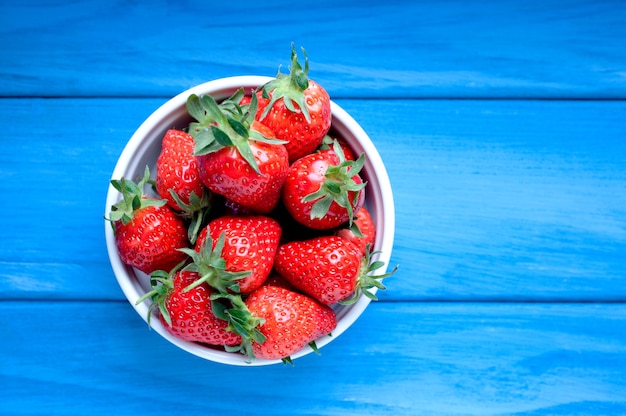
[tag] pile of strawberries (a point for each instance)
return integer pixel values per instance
(259, 226)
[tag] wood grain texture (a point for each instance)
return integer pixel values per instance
(505, 200)
(502, 126)
(437, 359)
(495, 200)
(512, 48)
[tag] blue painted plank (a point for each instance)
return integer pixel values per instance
(399, 358)
(507, 200)
(57, 159)
(511, 48)
(495, 200)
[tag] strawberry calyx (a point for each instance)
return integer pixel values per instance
(226, 302)
(289, 361)
(290, 87)
(211, 267)
(354, 228)
(196, 211)
(240, 321)
(337, 186)
(132, 198)
(367, 280)
(239, 318)
(327, 143)
(162, 283)
(225, 125)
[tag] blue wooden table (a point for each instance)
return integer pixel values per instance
(503, 128)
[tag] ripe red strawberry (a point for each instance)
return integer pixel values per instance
(249, 245)
(193, 311)
(295, 108)
(177, 169)
(178, 180)
(323, 190)
(326, 268)
(363, 230)
(148, 233)
(330, 269)
(188, 313)
(238, 157)
(292, 321)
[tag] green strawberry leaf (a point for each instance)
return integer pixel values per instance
(132, 198)
(320, 208)
(255, 135)
(196, 211)
(238, 127)
(367, 280)
(219, 309)
(290, 88)
(211, 267)
(221, 137)
(194, 108)
(212, 109)
(354, 227)
(224, 125)
(240, 321)
(313, 346)
(337, 185)
(162, 284)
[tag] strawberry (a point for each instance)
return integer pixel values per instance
(148, 233)
(296, 108)
(330, 269)
(326, 268)
(363, 230)
(291, 321)
(177, 169)
(249, 245)
(238, 157)
(188, 313)
(323, 190)
(178, 180)
(193, 311)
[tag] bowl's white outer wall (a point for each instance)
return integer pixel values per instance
(143, 149)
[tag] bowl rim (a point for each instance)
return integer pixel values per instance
(222, 88)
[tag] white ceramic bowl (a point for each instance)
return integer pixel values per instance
(143, 149)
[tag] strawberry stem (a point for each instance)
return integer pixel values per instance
(367, 280)
(289, 87)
